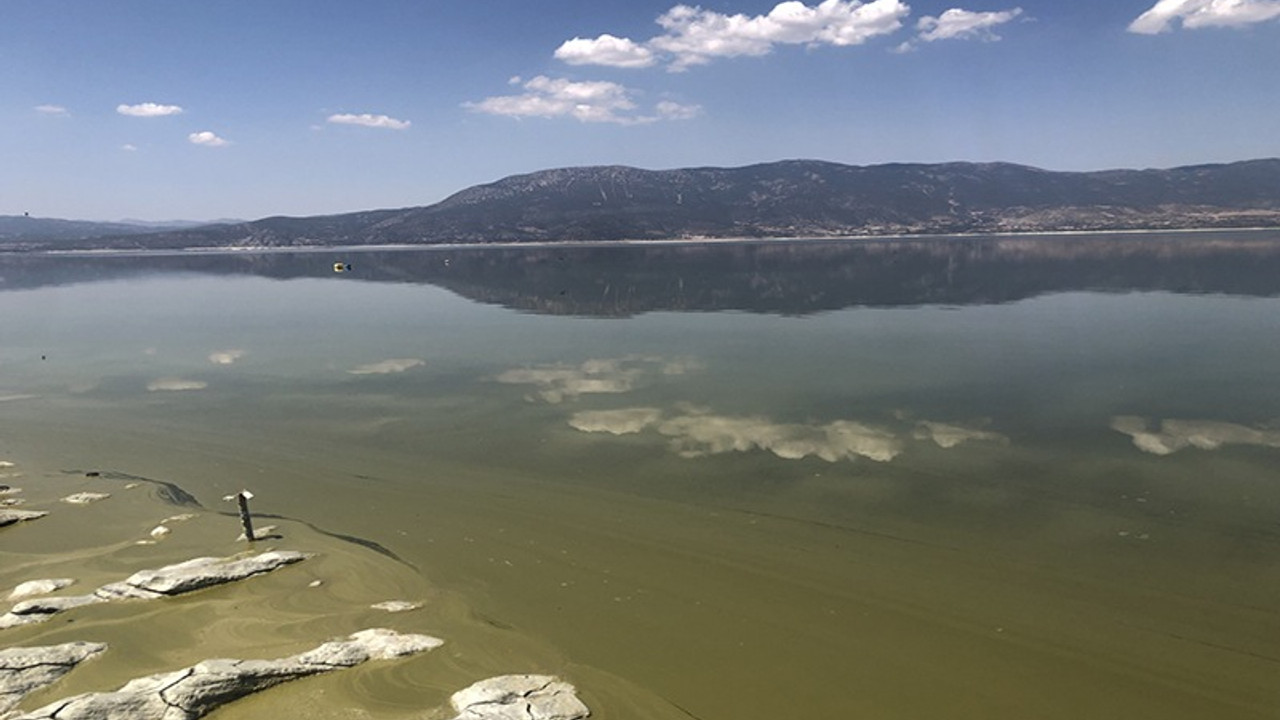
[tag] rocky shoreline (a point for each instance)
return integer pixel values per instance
(194, 691)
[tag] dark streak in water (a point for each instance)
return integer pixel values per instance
(175, 495)
(362, 542)
(840, 528)
(166, 491)
(494, 622)
(681, 708)
(1215, 646)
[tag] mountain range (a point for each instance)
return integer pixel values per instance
(792, 198)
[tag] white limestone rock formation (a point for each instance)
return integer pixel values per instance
(519, 697)
(26, 669)
(33, 588)
(198, 690)
(396, 606)
(175, 579)
(84, 498)
(9, 516)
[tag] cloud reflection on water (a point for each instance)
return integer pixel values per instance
(557, 383)
(695, 433)
(175, 384)
(225, 357)
(625, 421)
(387, 367)
(947, 436)
(17, 396)
(1174, 435)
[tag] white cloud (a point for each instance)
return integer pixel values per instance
(148, 109)
(957, 24)
(387, 367)
(605, 50)
(675, 111)
(1204, 13)
(1174, 435)
(694, 36)
(595, 101)
(225, 357)
(176, 385)
(129, 147)
(52, 110)
(370, 120)
(208, 139)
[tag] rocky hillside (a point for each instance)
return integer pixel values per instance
(795, 198)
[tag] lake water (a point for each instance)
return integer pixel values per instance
(959, 478)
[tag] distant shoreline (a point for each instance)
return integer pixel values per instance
(544, 244)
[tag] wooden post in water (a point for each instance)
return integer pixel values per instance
(246, 522)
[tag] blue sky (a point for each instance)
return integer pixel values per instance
(156, 109)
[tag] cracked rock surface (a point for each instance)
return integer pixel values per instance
(198, 690)
(26, 669)
(175, 579)
(519, 697)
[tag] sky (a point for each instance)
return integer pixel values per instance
(163, 110)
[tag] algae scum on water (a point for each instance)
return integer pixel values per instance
(32, 673)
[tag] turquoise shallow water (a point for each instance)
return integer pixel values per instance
(987, 479)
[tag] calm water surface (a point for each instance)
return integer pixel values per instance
(1013, 478)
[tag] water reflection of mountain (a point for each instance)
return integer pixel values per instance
(775, 277)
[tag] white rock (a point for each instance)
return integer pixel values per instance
(519, 697)
(198, 690)
(38, 610)
(46, 586)
(258, 533)
(206, 571)
(9, 516)
(24, 670)
(159, 531)
(160, 582)
(396, 606)
(84, 498)
(125, 591)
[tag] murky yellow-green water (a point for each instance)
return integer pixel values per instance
(1019, 479)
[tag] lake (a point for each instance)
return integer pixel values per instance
(1016, 477)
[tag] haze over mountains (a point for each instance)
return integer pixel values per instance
(794, 198)
(22, 227)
